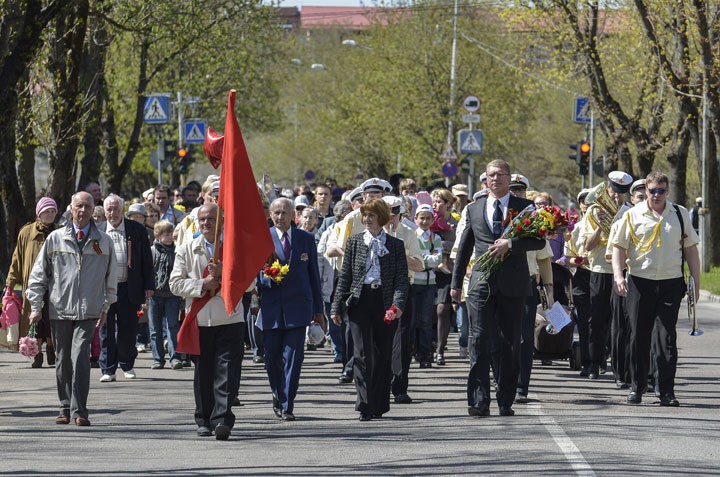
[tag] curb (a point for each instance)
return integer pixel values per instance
(707, 296)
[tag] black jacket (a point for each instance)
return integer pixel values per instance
(512, 279)
(141, 275)
(393, 273)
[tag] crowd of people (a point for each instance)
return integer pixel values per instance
(384, 270)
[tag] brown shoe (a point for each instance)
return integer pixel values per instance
(62, 419)
(82, 421)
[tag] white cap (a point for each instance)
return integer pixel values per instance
(483, 177)
(581, 196)
(395, 203)
(355, 194)
(136, 209)
(519, 179)
(620, 181)
(215, 188)
(638, 184)
(375, 184)
(301, 202)
(424, 208)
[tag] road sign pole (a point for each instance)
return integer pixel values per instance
(161, 153)
(471, 175)
(181, 124)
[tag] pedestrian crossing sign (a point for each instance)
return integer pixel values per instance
(195, 131)
(156, 109)
(471, 141)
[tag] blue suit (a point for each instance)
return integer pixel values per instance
(286, 309)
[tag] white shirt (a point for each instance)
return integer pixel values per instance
(281, 233)
(490, 208)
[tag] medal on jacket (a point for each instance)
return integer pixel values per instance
(96, 247)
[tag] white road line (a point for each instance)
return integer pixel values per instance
(566, 445)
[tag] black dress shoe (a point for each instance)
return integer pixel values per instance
(481, 411)
(669, 400)
(345, 378)
(403, 398)
(634, 398)
(287, 416)
(507, 411)
(276, 407)
(377, 416)
(365, 417)
(222, 432)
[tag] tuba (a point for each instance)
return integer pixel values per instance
(599, 199)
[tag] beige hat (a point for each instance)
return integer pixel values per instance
(459, 189)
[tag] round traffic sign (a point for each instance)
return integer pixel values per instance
(471, 103)
(309, 175)
(449, 169)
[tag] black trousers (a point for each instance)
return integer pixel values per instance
(217, 374)
(527, 340)
(118, 335)
(652, 307)
(581, 300)
(620, 339)
(372, 352)
(601, 285)
(402, 349)
(495, 336)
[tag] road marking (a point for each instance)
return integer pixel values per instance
(566, 445)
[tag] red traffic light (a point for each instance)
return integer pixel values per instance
(182, 152)
(585, 147)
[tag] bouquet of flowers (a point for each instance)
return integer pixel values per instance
(391, 314)
(28, 345)
(276, 272)
(530, 223)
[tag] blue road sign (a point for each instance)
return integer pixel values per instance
(156, 109)
(449, 169)
(194, 131)
(582, 110)
(470, 141)
(309, 175)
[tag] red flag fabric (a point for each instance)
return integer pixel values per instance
(246, 236)
(213, 147)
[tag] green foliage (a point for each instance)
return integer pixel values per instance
(711, 281)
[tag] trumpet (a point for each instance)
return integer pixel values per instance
(550, 329)
(695, 331)
(598, 199)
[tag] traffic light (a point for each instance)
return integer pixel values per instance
(574, 156)
(184, 159)
(584, 158)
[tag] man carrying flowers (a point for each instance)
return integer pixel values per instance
(496, 297)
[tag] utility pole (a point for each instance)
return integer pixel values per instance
(453, 56)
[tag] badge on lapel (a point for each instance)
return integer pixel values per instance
(304, 257)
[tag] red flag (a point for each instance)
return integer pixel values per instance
(246, 236)
(213, 147)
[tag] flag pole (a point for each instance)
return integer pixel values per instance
(216, 248)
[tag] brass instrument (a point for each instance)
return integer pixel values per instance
(599, 199)
(695, 331)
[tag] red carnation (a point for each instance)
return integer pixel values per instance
(518, 228)
(140, 313)
(526, 221)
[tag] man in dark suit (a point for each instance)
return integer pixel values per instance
(495, 306)
(136, 283)
(287, 308)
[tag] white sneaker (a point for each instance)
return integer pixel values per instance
(107, 378)
(463, 352)
(129, 374)
(141, 348)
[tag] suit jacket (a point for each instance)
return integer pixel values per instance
(292, 303)
(512, 279)
(393, 273)
(141, 274)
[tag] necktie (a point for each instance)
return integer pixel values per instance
(497, 219)
(80, 235)
(286, 246)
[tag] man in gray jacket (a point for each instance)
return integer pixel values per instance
(77, 266)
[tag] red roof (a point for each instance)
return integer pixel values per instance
(351, 18)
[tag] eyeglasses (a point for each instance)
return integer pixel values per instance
(657, 191)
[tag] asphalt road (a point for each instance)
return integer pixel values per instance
(571, 425)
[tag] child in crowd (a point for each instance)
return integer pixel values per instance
(163, 306)
(423, 289)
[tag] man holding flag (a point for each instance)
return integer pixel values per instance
(214, 270)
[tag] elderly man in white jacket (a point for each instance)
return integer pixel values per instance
(217, 369)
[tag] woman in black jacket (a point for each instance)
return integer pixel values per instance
(373, 280)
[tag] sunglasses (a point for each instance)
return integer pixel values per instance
(658, 191)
